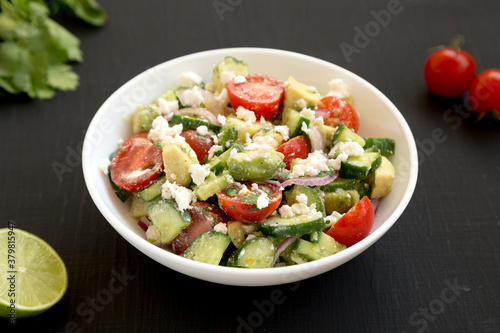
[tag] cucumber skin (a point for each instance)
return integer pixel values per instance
(168, 226)
(287, 227)
(217, 244)
(263, 260)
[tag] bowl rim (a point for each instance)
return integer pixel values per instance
(232, 275)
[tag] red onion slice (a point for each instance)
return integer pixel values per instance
(321, 113)
(311, 181)
(201, 113)
(316, 139)
(144, 223)
(282, 246)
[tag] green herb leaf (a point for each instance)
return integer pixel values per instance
(88, 10)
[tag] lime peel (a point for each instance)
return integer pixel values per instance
(33, 276)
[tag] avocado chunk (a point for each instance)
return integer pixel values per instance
(254, 166)
(340, 201)
(382, 179)
(229, 64)
(296, 93)
(177, 160)
(143, 117)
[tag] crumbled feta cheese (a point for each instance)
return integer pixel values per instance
(331, 219)
(221, 227)
(260, 144)
(182, 195)
(167, 108)
(336, 163)
(214, 149)
(308, 113)
(222, 98)
(202, 130)
(262, 201)
(189, 79)
(233, 153)
(221, 119)
(283, 130)
(225, 77)
(310, 166)
(239, 79)
(299, 208)
(304, 128)
(104, 165)
(249, 228)
(163, 133)
(338, 88)
(199, 172)
(349, 148)
(301, 103)
(193, 97)
(245, 115)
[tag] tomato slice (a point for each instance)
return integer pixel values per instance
(205, 216)
(296, 147)
(136, 164)
(261, 94)
(201, 144)
(340, 112)
(354, 225)
(243, 207)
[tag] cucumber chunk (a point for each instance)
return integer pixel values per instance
(192, 123)
(307, 249)
(168, 219)
(359, 167)
(339, 183)
(152, 191)
(328, 245)
(277, 226)
(345, 134)
(386, 146)
(209, 247)
(294, 120)
(258, 252)
(137, 207)
(212, 184)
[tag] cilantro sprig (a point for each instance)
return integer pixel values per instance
(35, 50)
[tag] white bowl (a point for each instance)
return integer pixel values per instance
(378, 117)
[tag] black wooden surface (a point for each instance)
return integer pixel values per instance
(436, 270)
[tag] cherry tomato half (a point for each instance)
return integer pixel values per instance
(261, 94)
(449, 72)
(136, 164)
(238, 206)
(296, 147)
(355, 224)
(484, 92)
(340, 112)
(205, 216)
(201, 144)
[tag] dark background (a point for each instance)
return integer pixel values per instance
(436, 270)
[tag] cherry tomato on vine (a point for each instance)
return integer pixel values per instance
(449, 72)
(484, 92)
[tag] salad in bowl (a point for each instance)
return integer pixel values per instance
(246, 170)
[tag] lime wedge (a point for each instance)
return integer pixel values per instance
(32, 275)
